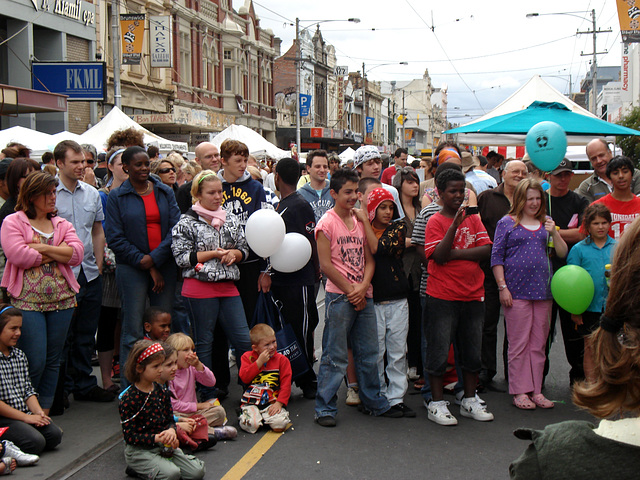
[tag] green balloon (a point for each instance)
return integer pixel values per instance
(572, 288)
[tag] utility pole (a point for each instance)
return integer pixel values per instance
(298, 57)
(594, 75)
(115, 47)
(404, 121)
(364, 109)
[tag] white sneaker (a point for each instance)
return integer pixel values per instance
(460, 396)
(472, 408)
(439, 413)
(22, 459)
(353, 398)
(413, 374)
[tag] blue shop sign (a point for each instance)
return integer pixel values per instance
(79, 80)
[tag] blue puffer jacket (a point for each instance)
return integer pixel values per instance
(127, 229)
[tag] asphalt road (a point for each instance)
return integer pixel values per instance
(363, 447)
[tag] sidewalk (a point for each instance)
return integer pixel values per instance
(89, 428)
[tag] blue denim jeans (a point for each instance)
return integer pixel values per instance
(135, 287)
(205, 313)
(42, 341)
(81, 337)
(342, 321)
(180, 320)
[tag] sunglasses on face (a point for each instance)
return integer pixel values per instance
(90, 161)
(167, 170)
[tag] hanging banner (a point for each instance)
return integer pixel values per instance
(160, 41)
(625, 90)
(629, 16)
(132, 28)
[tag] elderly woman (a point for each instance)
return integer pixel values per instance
(41, 248)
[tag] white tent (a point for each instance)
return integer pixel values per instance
(347, 154)
(254, 141)
(116, 119)
(536, 89)
(38, 142)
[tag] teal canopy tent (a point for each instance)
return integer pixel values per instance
(510, 128)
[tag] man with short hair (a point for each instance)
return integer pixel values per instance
(295, 290)
(494, 204)
(316, 191)
(598, 185)
(80, 204)
(566, 208)
(494, 160)
(208, 157)
(400, 161)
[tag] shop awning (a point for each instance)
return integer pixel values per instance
(17, 100)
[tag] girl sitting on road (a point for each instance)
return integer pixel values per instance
(151, 446)
(30, 429)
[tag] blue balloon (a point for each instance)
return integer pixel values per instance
(546, 144)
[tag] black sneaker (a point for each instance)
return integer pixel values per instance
(406, 411)
(206, 444)
(96, 394)
(393, 412)
(326, 421)
(130, 472)
(309, 392)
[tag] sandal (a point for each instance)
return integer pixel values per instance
(541, 401)
(523, 402)
(8, 462)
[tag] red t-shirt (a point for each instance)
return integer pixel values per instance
(154, 230)
(456, 280)
(622, 213)
(388, 174)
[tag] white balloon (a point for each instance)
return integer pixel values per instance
(265, 231)
(293, 254)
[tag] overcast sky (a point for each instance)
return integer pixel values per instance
(483, 50)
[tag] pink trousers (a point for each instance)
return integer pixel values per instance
(527, 331)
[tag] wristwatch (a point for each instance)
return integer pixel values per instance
(502, 287)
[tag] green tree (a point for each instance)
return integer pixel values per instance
(630, 144)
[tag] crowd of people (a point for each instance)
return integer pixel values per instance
(144, 260)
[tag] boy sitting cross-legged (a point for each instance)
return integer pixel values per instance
(268, 374)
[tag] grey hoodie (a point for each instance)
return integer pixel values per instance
(320, 204)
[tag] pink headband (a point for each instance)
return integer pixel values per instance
(150, 350)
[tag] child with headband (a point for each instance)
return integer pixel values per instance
(151, 445)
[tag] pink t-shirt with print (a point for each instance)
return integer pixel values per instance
(347, 249)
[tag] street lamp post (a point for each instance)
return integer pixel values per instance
(594, 32)
(364, 94)
(298, 64)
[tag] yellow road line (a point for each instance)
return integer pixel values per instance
(253, 456)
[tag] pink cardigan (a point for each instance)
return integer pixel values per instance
(17, 233)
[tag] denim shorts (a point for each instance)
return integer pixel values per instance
(453, 321)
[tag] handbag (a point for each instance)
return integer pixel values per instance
(268, 311)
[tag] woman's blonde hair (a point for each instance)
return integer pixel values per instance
(191, 168)
(520, 199)
(180, 341)
(616, 343)
(203, 177)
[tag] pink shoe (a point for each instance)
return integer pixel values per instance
(541, 401)
(523, 402)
